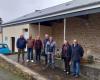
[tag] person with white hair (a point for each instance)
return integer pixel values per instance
(77, 54)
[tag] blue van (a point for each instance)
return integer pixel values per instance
(4, 49)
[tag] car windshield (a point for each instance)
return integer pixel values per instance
(3, 46)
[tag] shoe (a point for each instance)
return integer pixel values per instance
(67, 73)
(27, 60)
(72, 74)
(76, 76)
(64, 70)
(32, 60)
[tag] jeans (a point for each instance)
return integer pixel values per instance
(50, 58)
(37, 55)
(75, 67)
(30, 53)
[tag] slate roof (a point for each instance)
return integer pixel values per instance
(56, 9)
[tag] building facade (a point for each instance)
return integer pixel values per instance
(74, 20)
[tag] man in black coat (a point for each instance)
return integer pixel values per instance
(76, 56)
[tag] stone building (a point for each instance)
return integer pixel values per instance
(77, 19)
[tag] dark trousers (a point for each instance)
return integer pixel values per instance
(21, 51)
(46, 60)
(67, 65)
(37, 55)
(30, 53)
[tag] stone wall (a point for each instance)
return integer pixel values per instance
(45, 30)
(58, 34)
(34, 30)
(87, 32)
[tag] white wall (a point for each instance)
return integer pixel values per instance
(13, 31)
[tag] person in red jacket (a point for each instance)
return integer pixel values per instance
(38, 46)
(30, 45)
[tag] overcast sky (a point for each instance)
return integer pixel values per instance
(11, 9)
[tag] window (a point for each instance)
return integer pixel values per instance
(26, 33)
(25, 30)
(3, 46)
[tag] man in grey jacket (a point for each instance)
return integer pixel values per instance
(50, 51)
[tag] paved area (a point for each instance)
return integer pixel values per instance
(5, 75)
(50, 74)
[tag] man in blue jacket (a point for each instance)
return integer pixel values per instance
(21, 45)
(77, 54)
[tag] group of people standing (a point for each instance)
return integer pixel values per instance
(48, 47)
(70, 54)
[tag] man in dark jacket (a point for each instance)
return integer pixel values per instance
(38, 47)
(21, 45)
(77, 54)
(66, 56)
(44, 46)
